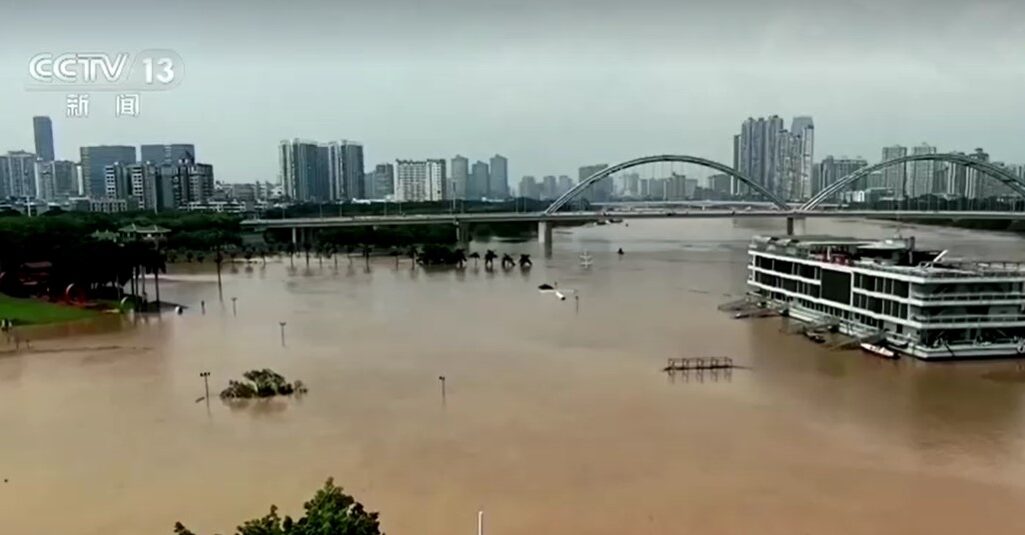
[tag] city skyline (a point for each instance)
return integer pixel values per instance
(541, 78)
(781, 160)
(511, 179)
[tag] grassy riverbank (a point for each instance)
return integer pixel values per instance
(36, 312)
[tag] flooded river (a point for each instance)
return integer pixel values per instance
(555, 419)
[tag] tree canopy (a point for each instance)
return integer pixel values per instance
(330, 512)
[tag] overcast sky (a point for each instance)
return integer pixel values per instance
(551, 84)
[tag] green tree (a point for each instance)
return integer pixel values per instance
(330, 512)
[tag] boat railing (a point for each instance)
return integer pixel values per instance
(969, 296)
(949, 270)
(976, 271)
(969, 318)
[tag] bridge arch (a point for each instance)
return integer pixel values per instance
(1011, 180)
(725, 169)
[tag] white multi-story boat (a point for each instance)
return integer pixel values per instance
(915, 302)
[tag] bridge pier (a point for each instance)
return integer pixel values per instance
(463, 233)
(544, 232)
(791, 223)
(544, 237)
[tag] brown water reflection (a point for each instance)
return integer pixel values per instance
(553, 421)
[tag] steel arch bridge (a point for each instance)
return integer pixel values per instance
(1011, 180)
(725, 169)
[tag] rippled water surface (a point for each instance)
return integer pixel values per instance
(556, 418)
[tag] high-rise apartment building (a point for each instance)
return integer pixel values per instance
(419, 180)
(384, 180)
(116, 181)
(802, 131)
(21, 174)
(631, 185)
(563, 184)
(498, 181)
(832, 169)
(94, 161)
(311, 171)
(161, 191)
(978, 185)
(895, 176)
(680, 188)
(42, 128)
(779, 160)
(299, 167)
(352, 170)
(160, 187)
(460, 177)
(788, 166)
(191, 182)
(923, 173)
(600, 191)
(720, 184)
(549, 187)
(329, 169)
(480, 181)
(736, 188)
(993, 187)
(953, 178)
(529, 188)
(5, 177)
(658, 189)
(56, 180)
(757, 149)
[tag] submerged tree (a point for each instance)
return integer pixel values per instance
(438, 255)
(330, 512)
(489, 258)
(262, 384)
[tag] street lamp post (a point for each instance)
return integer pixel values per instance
(234, 307)
(282, 325)
(206, 384)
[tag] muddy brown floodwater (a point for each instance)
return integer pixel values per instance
(554, 421)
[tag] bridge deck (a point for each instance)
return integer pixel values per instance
(585, 217)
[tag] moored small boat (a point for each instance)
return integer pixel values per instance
(816, 337)
(879, 350)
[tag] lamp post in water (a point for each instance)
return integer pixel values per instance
(206, 384)
(234, 307)
(282, 324)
